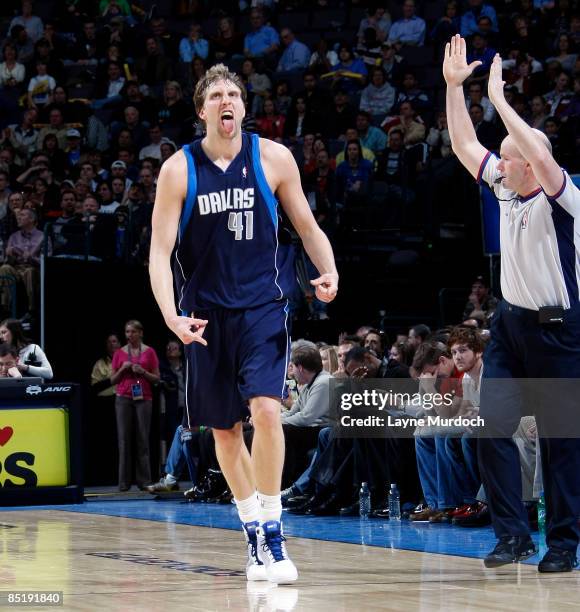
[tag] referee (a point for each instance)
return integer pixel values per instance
(535, 331)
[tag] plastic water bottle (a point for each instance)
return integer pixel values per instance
(364, 500)
(542, 516)
(394, 503)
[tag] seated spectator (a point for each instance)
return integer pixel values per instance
(373, 341)
(296, 54)
(309, 413)
(9, 362)
(282, 97)
(23, 259)
(379, 19)
(271, 124)
(393, 65)
(133, 96)
(369, 50)
(320, 185)
(560, 96)
(523, 77)
(167, 41)
(538, 113)
(317, 100)
(73, 150)
(23, 44)
(167, 149)
(32, 23)
(102, 370)
(526, 39)
(257, 85)
(323, 58)
(194, 45)
(410, 92)
(407, 122)
(329, 358)
(228, 43)
(486, 131)
(89, 44)
(40, 87)
(299, 121)
(108, 91)
(447, 26)
(436, 461)
(469, 18)
(4, 192)
(480, 51)
(485, 27)
(354, 175)
(154, 148)
(402, 352)
(153, 68)
(263, 40)
(410, 30)
(340, 116)
(56, 126)
(438, 138)
(352, 134)
(137, 128)
(475, 96)
(23, 137)
(12, 73)
(108, 205)
(378, 96)
(44, 53)
(481, 303)
(72, 112)
(174, 111)
(371, 137)
(561, 140)
(349, 73)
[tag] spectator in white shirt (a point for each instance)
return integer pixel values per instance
(41, 87)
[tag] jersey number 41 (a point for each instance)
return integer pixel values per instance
(236, 224)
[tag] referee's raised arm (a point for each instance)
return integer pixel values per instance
(463, 138)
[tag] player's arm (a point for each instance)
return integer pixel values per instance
(289, 192)
(529, 143)
(463, 138)
(171, 191)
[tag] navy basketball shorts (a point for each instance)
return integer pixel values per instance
(246, 356)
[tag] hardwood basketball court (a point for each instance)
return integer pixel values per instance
(148, 555)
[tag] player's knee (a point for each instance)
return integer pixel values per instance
(266, 416)
(227, 438)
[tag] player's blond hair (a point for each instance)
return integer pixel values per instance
(216, 73)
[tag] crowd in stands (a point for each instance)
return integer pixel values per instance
(95, 96)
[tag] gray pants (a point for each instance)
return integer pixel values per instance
(133, 415)
(528, 451)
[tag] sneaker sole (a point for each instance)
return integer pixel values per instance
(492, 564)
(257, 575)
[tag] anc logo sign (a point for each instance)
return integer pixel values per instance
(34, 447)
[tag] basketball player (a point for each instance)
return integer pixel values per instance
(535, 331)
(233, 272)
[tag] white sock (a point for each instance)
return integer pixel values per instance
(270, 507)
(170, 479)
(248, 509)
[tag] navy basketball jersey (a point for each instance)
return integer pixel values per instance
(228, 253)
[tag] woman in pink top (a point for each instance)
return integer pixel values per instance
(135, 368)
